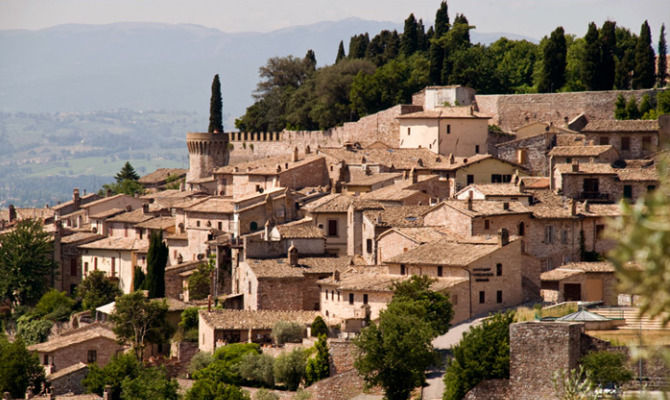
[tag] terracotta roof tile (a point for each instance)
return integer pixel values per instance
(302, 229)
(332, 203)
(267, 166)
(445, 252)
(28, 213)
(280, 268)
(586, 169)
(77, 336)
(366, 180)
(423, 234)
(482, 208)
(445, 112)
(213, 205)
(254, 319)
(80, 237)
(495, 189)
(638, 174)
(161, 223)
(397, 216)
(585, 151)
(628, 126)
(135, 216)
(115, 243)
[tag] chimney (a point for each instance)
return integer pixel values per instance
(145, 208)
(107, 393)
(336, 276)
(266, 232)
(575, 166)
(573, 207)
(109, 193)
(587, 207)
(412, 175)
(470, 202)
(209, 303)
(293, 255)
(12, 213)
(503, 237)
(75, 198)
(294, 155)
(308, 150)
(451, 158)
(506, 205)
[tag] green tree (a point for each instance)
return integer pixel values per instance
(573, 384)
(215, 107)
(632, 112)
(606, 367)
(644, 74)
(409, 38)
(208, 389)
(310, 60)
(662, 65)
(590, 65)
(645, 105)
(482, 354)
(26, 263)
(127, 172)
(150, 383)
(139, 279)
(289, 368)
(121, 366)
(157, 257)
(552, 76)
(340, 53)
(620, 107)
(287, 332)
(435, 307)
(199, 361)
(624, 66)
(33, 331)
(318, 367)
(96, 290)
(126, 186)
(199, 283)
(138, 320)
(226, 365)
(607, 37)
(663, 102)
(358, 45)
(257, 369)
(19, 368)
(188, 324)
(319, 327)
(441, 20)
(54, 306)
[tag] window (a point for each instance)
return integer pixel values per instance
(402, 269)
(499, 296)
(470, 179)
(627, 192)
(351, 298)
(482, 297)
(220, 225)
(599, 231)
(332, 294)
(365, 299)
(651, 188)
(448, 129)
(439, 270)
(564, 237)
(332, 227)
(113, 267)
(568, 160)
(368, 245)
(46, 359)
(92, 356)
(591, 185)
(548, 234)
(197, 223)
(501, 178)
(476, 149)
(646, 143)
(487, 224)
(625, 143)
(73, 267)
(259, 189)
(409, 130)
(498, 269)
(338, 296)
(140, 232)
(249, 288)
(95, 263)
(125, 231)
(522, 229)
(85, 268)
(253, 226)
(604, 140)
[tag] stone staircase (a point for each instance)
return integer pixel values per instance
(632, 318)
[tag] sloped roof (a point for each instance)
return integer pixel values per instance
(280, 268)
(254, 319)
(377, 279)
(115, 243)
(445, 252)
(267, 166)
(28, 213)
(135, 216)
(422, 234)
(332, 203)
(445, 113)
(495, 189)
(481, 208)
(366, 180)
(213, 205)
(628, 126)
(81, 335)
(161, 223)
(80, 237)
(585, 151)
(397, 216)
(161, 174)
(302, 229)
(583, 315)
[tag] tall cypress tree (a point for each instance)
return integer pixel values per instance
(436, 57)
(607, 64)
(552, 77)
(644, 74)
(590, 67)
(410, 36)
(620, 108)
(215, 107)
(632, 112)
(358, 45)
(662, 58)
(340, 53)
(156, 261)
(441, 20)
(421, 38)
(310, 60)
(623, 70)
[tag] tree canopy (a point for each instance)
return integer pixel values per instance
(126, 172)
(96, 290)
(157, 257)
(644, 75)
(215, 107)
(26, 263)
(19, 369)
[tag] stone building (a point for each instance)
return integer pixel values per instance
(117, 257)
(633, 139)
(583, 154)
(399, 240)
(495, 191)
(582, 281)
(81, 217)
(329, 213)
(70, 269)
(162, 177)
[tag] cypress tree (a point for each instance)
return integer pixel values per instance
(590, 64)
(436, 57)
(620, 108)
(358, 45)
(644, 74)
(127, 172)
(215, 107)
(340, 53)
(421, 39)
(310, 60)
(410, 35)
(607, 48)
(552, 77)
(156, 261)
(441, 20)
(662, 58)
(465, 39)
(622, 71)
(632, 111)
(645, 105)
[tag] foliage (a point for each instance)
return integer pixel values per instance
(26, 263)
(662, 65)
(96, 290)
(644, 74)
(608, 45)
(435, 307)
(620, 107)
(606, 367)
(482, 354)
(319, 327)
(19, 369)
(33, 331)
(573, 384)
(127, 172)
(157, 257)
(318, 367)
(287, 332)
(552, 75)
(138, 320)
(199, 283)
(121, 366)
(631, 109)
(264, 394)
(358, 45)
(215, 107)
(188, 325)
(590, 65)
(54, 306)
(257, 369)
(410, 35)
(139, 279)
(151, 383)
(199, 361)
(289, 368)
(209, 389)
(340, 53)
(127, 186)
(225, 367)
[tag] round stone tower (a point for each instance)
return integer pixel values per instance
(206, 152)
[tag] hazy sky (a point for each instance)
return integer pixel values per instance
(534, 18)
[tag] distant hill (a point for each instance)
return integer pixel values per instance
(151, 66)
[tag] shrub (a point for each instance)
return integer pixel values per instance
(188, 326)
(302, 395)
(318, 367)
(225, 367)
(289, 368)
(33, 331)
(54, 306)
(606, 367)
(257, 369)
(319, 327)
(264, 394)
(287, 332)
(199, 361)
(199, 283)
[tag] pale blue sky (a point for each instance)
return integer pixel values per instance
(534, 18)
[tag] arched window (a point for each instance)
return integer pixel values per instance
(253, 226)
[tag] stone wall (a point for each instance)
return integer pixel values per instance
(339, 387)
(511, 111)
(68, 382)
(534, 153)
(342, 356)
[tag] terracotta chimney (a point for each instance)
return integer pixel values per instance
(293, 255)
(470, 202)
(503, 237)
(266, 231)
(336, 276)
(75, 198)
(451, 158)
(145, 208)
(587, 207)
(294, 155)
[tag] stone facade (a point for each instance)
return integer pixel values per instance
(342, 355)
(206, 151)
(69, 380)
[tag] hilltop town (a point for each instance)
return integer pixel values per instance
(293, 226)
